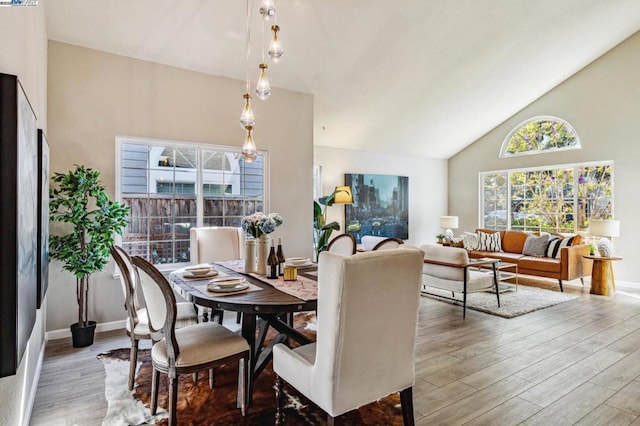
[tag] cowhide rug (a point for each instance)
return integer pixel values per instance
(199, 405)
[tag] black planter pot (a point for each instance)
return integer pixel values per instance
(83, 336)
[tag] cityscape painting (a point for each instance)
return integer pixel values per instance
(380, 206)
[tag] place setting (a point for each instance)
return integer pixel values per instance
(199, 272)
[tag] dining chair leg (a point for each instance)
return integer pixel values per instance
(194, 377)
(133, 361)
(173, 399)
(155, 379)
(406, 400)
(243, 377)
(279, 387)
(211, 378)
(238, 317)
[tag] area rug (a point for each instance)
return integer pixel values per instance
(199, 405)
(512, 303)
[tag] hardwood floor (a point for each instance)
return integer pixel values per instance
(574, 363)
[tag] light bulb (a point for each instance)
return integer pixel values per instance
(275, 51)
(249, 150)
(268, 9)
(247, 118)
(263, 89)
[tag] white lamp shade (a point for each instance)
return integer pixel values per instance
(604, 228)
(449, 222)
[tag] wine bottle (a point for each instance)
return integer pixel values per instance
(281, 259)
(272, 261)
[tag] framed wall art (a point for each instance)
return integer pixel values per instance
(19, 219)
(43, 217)
(380, 206)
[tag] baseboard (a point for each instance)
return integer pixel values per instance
(28, 408)
(66, 332)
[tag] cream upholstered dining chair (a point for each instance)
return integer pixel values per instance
(343, 244)
(215, 244)
(188, 349)
(137, 323)
(359, 356)
(388, 243)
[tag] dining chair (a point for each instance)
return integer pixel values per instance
(343, 244)
(359, 355)
(388, 243)
(188, 349)
(216, 244)
(137, 322)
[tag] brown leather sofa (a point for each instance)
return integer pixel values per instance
(569, 266)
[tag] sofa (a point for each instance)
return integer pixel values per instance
(569, 265)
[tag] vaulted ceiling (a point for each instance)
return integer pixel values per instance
(419, 77)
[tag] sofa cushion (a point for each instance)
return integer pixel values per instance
(513, 241)
(536, 246)
(542, 264)
(555, 244)
(489, 242)
(502, 255)
(470, 240)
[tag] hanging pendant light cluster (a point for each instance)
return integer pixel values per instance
(263, 88)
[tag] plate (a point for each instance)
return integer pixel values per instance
(237, 287)
(199, 270)
(297, 261)
(224, 282)
(211, 273)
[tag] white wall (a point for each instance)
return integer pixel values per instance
(602, 102)
(23, 52)
(94, 96)
(427, 185)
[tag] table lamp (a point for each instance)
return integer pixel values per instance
(448, 223)
(604, 228)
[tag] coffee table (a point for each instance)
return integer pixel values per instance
(503, 275)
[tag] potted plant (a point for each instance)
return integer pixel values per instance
(79, 200)
(322, 230)
(440, 238)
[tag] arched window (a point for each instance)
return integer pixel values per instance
(539, 135)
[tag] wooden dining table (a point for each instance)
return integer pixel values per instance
(263, 306)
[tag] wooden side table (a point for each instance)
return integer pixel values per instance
(602, 281)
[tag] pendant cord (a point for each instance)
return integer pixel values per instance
(248, 43)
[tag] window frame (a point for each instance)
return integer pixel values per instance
(136, 140)
(574, 166)
(506, 141)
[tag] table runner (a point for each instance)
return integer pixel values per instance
(303, 288)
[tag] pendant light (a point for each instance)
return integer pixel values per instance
(247, 118)
(267, 9)
(249, 150)
(275, 48)
(263, 89)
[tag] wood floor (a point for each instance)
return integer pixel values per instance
(574, 363)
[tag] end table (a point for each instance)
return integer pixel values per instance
(602, 281)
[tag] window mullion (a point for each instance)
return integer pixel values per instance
(199, 188)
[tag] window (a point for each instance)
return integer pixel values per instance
(551, 199)
(172, 187)
(538, 135)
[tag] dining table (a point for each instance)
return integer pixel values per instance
(265, 303)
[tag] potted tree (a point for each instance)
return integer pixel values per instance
(322, 229)
(79, 200)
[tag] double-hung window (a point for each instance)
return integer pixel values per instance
(172, 187)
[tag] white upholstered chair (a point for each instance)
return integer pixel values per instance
(343, 244)
(449, 268)
(359, 356)
(137, 323)
(368, 242)
(388, 243)
(188, 349)
(215, 244)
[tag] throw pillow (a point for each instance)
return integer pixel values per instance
(489, 242)
(555, 244)
(470, 240)
(536, 246)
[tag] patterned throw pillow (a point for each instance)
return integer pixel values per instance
(555, 244)
(489, 242)
(470, 240)
(536, 246)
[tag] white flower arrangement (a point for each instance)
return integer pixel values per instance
(259, 223)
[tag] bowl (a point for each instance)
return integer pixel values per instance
(297, 261)
(199, 270)
(227, 282)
